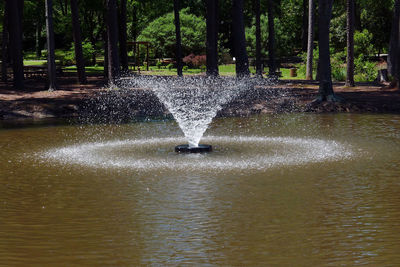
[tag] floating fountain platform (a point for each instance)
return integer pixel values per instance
(188, 149)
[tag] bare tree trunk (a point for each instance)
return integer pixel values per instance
(112, 40)
(271, 40)
(51, 63)
(178, 55)
(212, 38)
(38, 50)
(80, 64)
(304, 31)
(310, 41)
(259, 69)
(15, 34)
(325, 79)
(350, 43)
(105, 63)
(122, 36)
(394, 40)
(4, 47)
(39, 25)
(239, 40)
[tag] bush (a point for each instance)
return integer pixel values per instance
(365, 70)
(185, 68)
(161, 34)
(159, 64)
(87, 50)
(203, 68)
(363, 43)
(170, 66)
(195, 61)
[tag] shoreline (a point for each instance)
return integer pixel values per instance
(75, 101)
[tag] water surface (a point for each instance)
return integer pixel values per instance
(286, 190)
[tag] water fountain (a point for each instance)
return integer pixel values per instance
(193, 102)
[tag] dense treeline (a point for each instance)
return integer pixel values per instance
(341, 37)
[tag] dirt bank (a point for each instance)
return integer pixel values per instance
(73, 100)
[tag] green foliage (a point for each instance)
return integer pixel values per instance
(87, 51)
(158, 64)
(301, 68)
(338, 34)
(170, 66)
(286, 36)
(185, 68)
(363, 43)
(364, 70)
(161, 34)
(338, 66)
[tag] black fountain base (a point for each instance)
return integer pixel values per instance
(188, 149)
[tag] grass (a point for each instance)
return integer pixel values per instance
(224, 70)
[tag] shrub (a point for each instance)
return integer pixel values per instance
(159, 64)
(170, 66)
(161, 33)
(363, 43)
(185, 68)
(203, 68)
(87, 50)
(365, 70)
(195, 61)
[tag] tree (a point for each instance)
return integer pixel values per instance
(178, 55)
(325, 80)
(212, 38)
(80, 65)
(112, 41)
(350, 43)
(38, 25)
(394, 40)
(161, 34)
(310, 41)
(123, 36)
(15, 34)
(304, 32)
(4, 47)
(239, 40)
(259, 69)
(51, 63)
(271, 40)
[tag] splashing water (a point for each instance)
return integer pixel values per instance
(193, 101)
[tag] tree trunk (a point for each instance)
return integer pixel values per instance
(310, 41)
(212, 38)
(239, 40)
(325, 79)
(15, 35)
(51, 63)
(304, 31)
(80, 64)
(39, 25)
(112, 41)
(271, 40)
(350, 43)
(178, 55)
(123, 36)
(259, 69)
(105, 63)
(38, 50)
(394, 40)
(4, 47)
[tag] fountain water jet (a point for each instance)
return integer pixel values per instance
(193, 101)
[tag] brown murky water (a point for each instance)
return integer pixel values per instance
(270, 201)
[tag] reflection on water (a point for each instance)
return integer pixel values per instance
(344, 211)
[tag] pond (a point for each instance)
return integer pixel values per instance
(290, 190)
